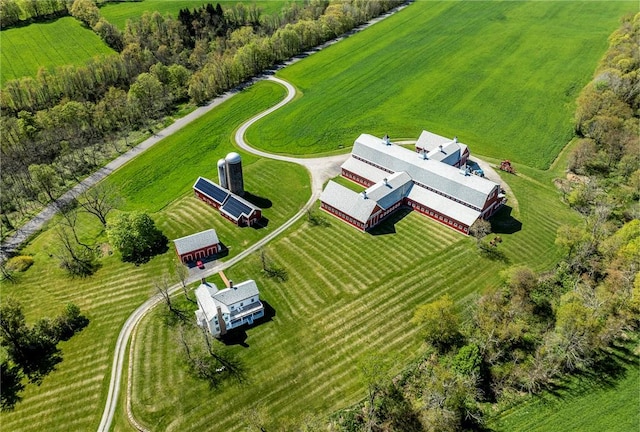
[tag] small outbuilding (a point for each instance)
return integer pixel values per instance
(197, 246)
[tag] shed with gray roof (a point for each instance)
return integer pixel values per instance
(197, 246)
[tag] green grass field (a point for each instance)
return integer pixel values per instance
(56, 43)
(348, 294)
(502, 76)
(119, 13)
(611, 406)
(72, 397)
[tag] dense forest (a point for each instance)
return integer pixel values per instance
(537, 329)
(61, 125)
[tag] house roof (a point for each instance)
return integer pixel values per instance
(473, 190)
(237, 293)
(196, 241)
(209, 297)
(211, 189)
(236, 207)
(204, 296)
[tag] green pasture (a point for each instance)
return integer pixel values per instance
(72, 397)
(502, 76)
(349, 295)
(119, 13)
(48, 45)
(590, 405)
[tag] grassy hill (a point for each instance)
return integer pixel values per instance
(73, 396)
(56, 43)
(502, 76)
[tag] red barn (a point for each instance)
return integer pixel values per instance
(197, 246)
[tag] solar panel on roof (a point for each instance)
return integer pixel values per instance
(214, 191)
(236, 208)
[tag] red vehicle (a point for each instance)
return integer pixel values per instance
(200, 264)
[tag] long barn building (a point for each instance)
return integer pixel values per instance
(431, 180)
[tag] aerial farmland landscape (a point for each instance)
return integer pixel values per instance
(319, 215)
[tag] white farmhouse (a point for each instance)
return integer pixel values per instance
(223, 310)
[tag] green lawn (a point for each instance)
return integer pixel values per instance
(348, 295)
(56, 43)
(119, 13)
(502, 76)
(72, 397)
(609, 406)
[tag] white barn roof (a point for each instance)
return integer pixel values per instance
(196, 241)
(473, 190)
(347, 201)
(444, 205)
(450, 152)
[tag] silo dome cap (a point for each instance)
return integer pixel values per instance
(221, 162)
(233, 157)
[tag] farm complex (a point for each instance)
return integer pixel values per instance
(433, 180)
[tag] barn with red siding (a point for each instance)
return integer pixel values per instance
(197, 246)
(428, 181)
(231, 206)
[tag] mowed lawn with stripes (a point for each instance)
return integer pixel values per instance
(72, 397)
(502, 76)
(349, 295)
(64, 41)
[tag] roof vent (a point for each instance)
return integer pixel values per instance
(364, 194)
(231, 284)
(440, 147)
(455, 139)
(386, 140)
(385, 181)
(203, 281)
(423, 154)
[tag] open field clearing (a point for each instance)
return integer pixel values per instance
(72, 397)
(348, 295)
(610, 406)
(119, 13)
(502, 76)
(48, 45)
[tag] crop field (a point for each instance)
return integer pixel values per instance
(72, 397)
(608, 406)
(348, 295)
(119, 13)
(502, 76)
(56, 43)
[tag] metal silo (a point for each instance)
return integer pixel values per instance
(234, 173)
(222, 173)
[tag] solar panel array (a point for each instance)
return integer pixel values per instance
(214, 191)
(236, 208)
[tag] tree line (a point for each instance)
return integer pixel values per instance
(74, 118)
(538, 329)
(31, 351)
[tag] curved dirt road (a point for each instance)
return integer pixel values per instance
(320, 169)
